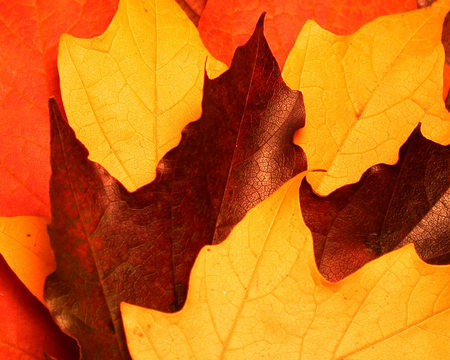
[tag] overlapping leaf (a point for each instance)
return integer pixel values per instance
(113, 246)
(27, 331)
(388, 208)
(365, 94)
(29, 34)
(130, 92)
(259, 295)
(25, 245)
(225, 25)
(446, 43)
(192, 8)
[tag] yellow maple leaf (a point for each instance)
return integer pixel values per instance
(25, 245)
(129, 93)
(364, 93)
(259, 295)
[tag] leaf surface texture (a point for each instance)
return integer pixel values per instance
(364, 95)
(259, 295)
(112, 245)
(130, 92)
(392, 205)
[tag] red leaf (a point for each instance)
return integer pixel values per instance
(113, 246)
(29, 34)
(224, 25)
(27, 331)
(389, 207)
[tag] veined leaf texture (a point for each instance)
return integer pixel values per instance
(185, 150)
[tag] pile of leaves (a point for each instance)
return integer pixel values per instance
(225, 180)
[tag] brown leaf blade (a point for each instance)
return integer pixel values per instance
(391, 206)
(259, 295)
(113, 246)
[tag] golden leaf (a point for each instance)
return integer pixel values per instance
(129, 93)
(365, 93)
(259, 295)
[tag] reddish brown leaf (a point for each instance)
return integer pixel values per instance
(446, 43)
(193, 8)
(29, 34)
(389, 207)
(446, 38)
(27, 331)
(113, 246)
(424, 3)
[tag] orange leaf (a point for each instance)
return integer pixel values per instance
(25, 245)
(225, 25)
(130, 92)
(29, 32)
(259, 295)
(365, 93)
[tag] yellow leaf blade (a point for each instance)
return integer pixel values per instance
(25, 245)
(364, 93)
(129, 93)
(259, 295)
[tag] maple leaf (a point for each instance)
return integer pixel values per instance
(446, 43)
(25, 245)
(192, 8)
(364, 95)
(388, 208)
(27, 330)
(113, 246)
(130, 92)
(29, 33)
(225, 25)
(259, 295)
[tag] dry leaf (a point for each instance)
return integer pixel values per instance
(225, 25)
(129, 93)
(390, 206)
(29, 33)
(192, 8)
(113, 246)
(25, 245)
(259, 295)
(365, 93)
(27, 330)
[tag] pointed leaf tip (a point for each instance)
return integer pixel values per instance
(260, 23)
(255, 46)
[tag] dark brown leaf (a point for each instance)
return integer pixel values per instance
(113, 246)
(390, 206)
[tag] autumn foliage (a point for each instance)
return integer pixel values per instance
(225, 179)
